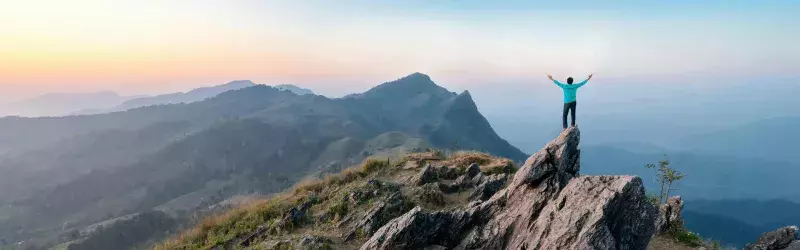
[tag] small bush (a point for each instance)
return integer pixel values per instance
(653, 199)
(430, 193)
(688, 238)
(373, 165)
(339, 210)
(309, 185)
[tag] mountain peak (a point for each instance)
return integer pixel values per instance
(417, 75)
(406, 87)
(294, 89)
(240, 83)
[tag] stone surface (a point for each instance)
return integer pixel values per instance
(783, 238)
(447, 173)
(591, 212)
(430, 193)
(545, 206)
(314, 242)
(473, 170)
(381, 212)
(425, 176)
(290, 218)
(488, 187)
(669, 215)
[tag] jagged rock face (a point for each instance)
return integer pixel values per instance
(669, 215)
(782, 239)
(473, 170)
(425, 176)
(393, 206)
(417, 229)
(546, 206)
(488, 187)
(446, 173)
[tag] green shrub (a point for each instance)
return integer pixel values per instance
(339, 210)
(688, 238)
(373, 165)
(653, 199)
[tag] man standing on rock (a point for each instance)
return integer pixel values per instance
(570, 101)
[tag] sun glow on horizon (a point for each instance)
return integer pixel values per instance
(141, 46)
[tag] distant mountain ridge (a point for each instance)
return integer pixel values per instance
(739, 222)
(256, 139)
(194, 95)
(59, 104)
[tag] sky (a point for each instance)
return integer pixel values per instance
(339, 47)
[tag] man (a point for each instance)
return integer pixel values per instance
(570, 102)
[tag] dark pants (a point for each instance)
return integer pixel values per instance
(567, 107)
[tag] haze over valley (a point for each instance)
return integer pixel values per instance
(398, 125)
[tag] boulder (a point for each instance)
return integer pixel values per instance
(591, 212)
(488, 187)
(447, 173)
(471, 178)
(785, 238)
(381, 212)
(546, 206)
(669, 216)
(430, 193)
(425, 176)
(372, 189)
(417, 229)
(473, 170)
(295, 216)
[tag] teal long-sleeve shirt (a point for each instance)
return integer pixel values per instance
(570, 90)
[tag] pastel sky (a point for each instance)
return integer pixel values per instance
(336, 47)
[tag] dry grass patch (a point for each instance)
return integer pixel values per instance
(369, 166)
(426, 156)
(326, 194)
(219, 229)
(489, 164)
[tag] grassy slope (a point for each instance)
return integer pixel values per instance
(329, 210)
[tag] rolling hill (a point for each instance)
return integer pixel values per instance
(182, 158)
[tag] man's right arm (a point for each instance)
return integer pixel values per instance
(555, 81)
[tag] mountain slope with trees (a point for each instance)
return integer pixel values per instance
(181, 159)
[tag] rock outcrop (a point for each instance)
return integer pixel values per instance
(378, 215)
(488, 187)
(785, 238)
(425, 176)
(546, 206)
(430, 193)
(669, 215)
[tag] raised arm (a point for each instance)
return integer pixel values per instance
(584, 81)
(555, 81)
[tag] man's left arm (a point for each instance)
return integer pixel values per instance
(584, 81)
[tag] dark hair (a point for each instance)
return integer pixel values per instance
(569, 80)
